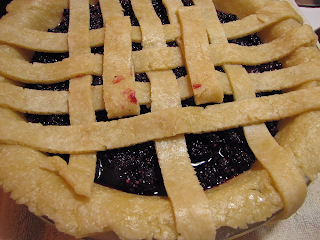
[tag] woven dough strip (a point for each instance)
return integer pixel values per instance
(118, 73)
(275, 50)
(193, 216)
(172, 7)
(55, 102)
(268, 152)
(195, 46)
(147, 60)
(118, 78)
(264, 53)
(72, 67)
(192, 211)
(286, 176)
(263, 18)
(57, 42)
(80, 171)
(152, 32)
(163, 123)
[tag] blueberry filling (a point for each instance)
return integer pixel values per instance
(64, 24)
(216, 156)
(132, 169)
(187, 2)
(172, 44)
(60, 120)
(160, 11)
(141, 77)
(219, 156)
(96, 20)
(127, 11)
(180, 72)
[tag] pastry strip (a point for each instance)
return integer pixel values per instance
(235, 7)
(145, 60)
(150, 24)
(110, 8)
(72, 67)
(163, 97)
(212, 24)
(118, 74)
(286, 176)
(194, 219)
(294, 140)
(26, 100)
(192, 214)
(57, 42)
(35, 15)
(195, 46)
(264, 17)
(287, 77)
(164, 123)
(33, 39)
(55, 102)
(80, 170)
(79, 26)
(80, 92)
(268, 52)
(80, 95)
(171, 32)
(172, 7)
(155, 59)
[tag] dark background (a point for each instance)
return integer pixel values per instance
(3, 4)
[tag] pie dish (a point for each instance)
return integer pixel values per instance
(36, 174)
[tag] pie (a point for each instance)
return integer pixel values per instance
(155, 102)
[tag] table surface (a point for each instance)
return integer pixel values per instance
(17, 223)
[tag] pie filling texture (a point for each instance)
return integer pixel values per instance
(215, 156)
(147, 93)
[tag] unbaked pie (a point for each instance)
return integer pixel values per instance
(117, 115)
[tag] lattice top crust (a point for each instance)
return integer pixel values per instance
(66, 192)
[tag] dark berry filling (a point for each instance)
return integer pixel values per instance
(64, 24)
(3, 6)
(219, 156)
(97, 50)
(41, 57)
(127, 11)
(133, 169)
(226, 17)
(141, 77)
(136, 46)
(63, 86)
(61, 120)
(180, 72)
(187, 2)
(172, 44)
(96, 20)
(216, 156)
(161, 11)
